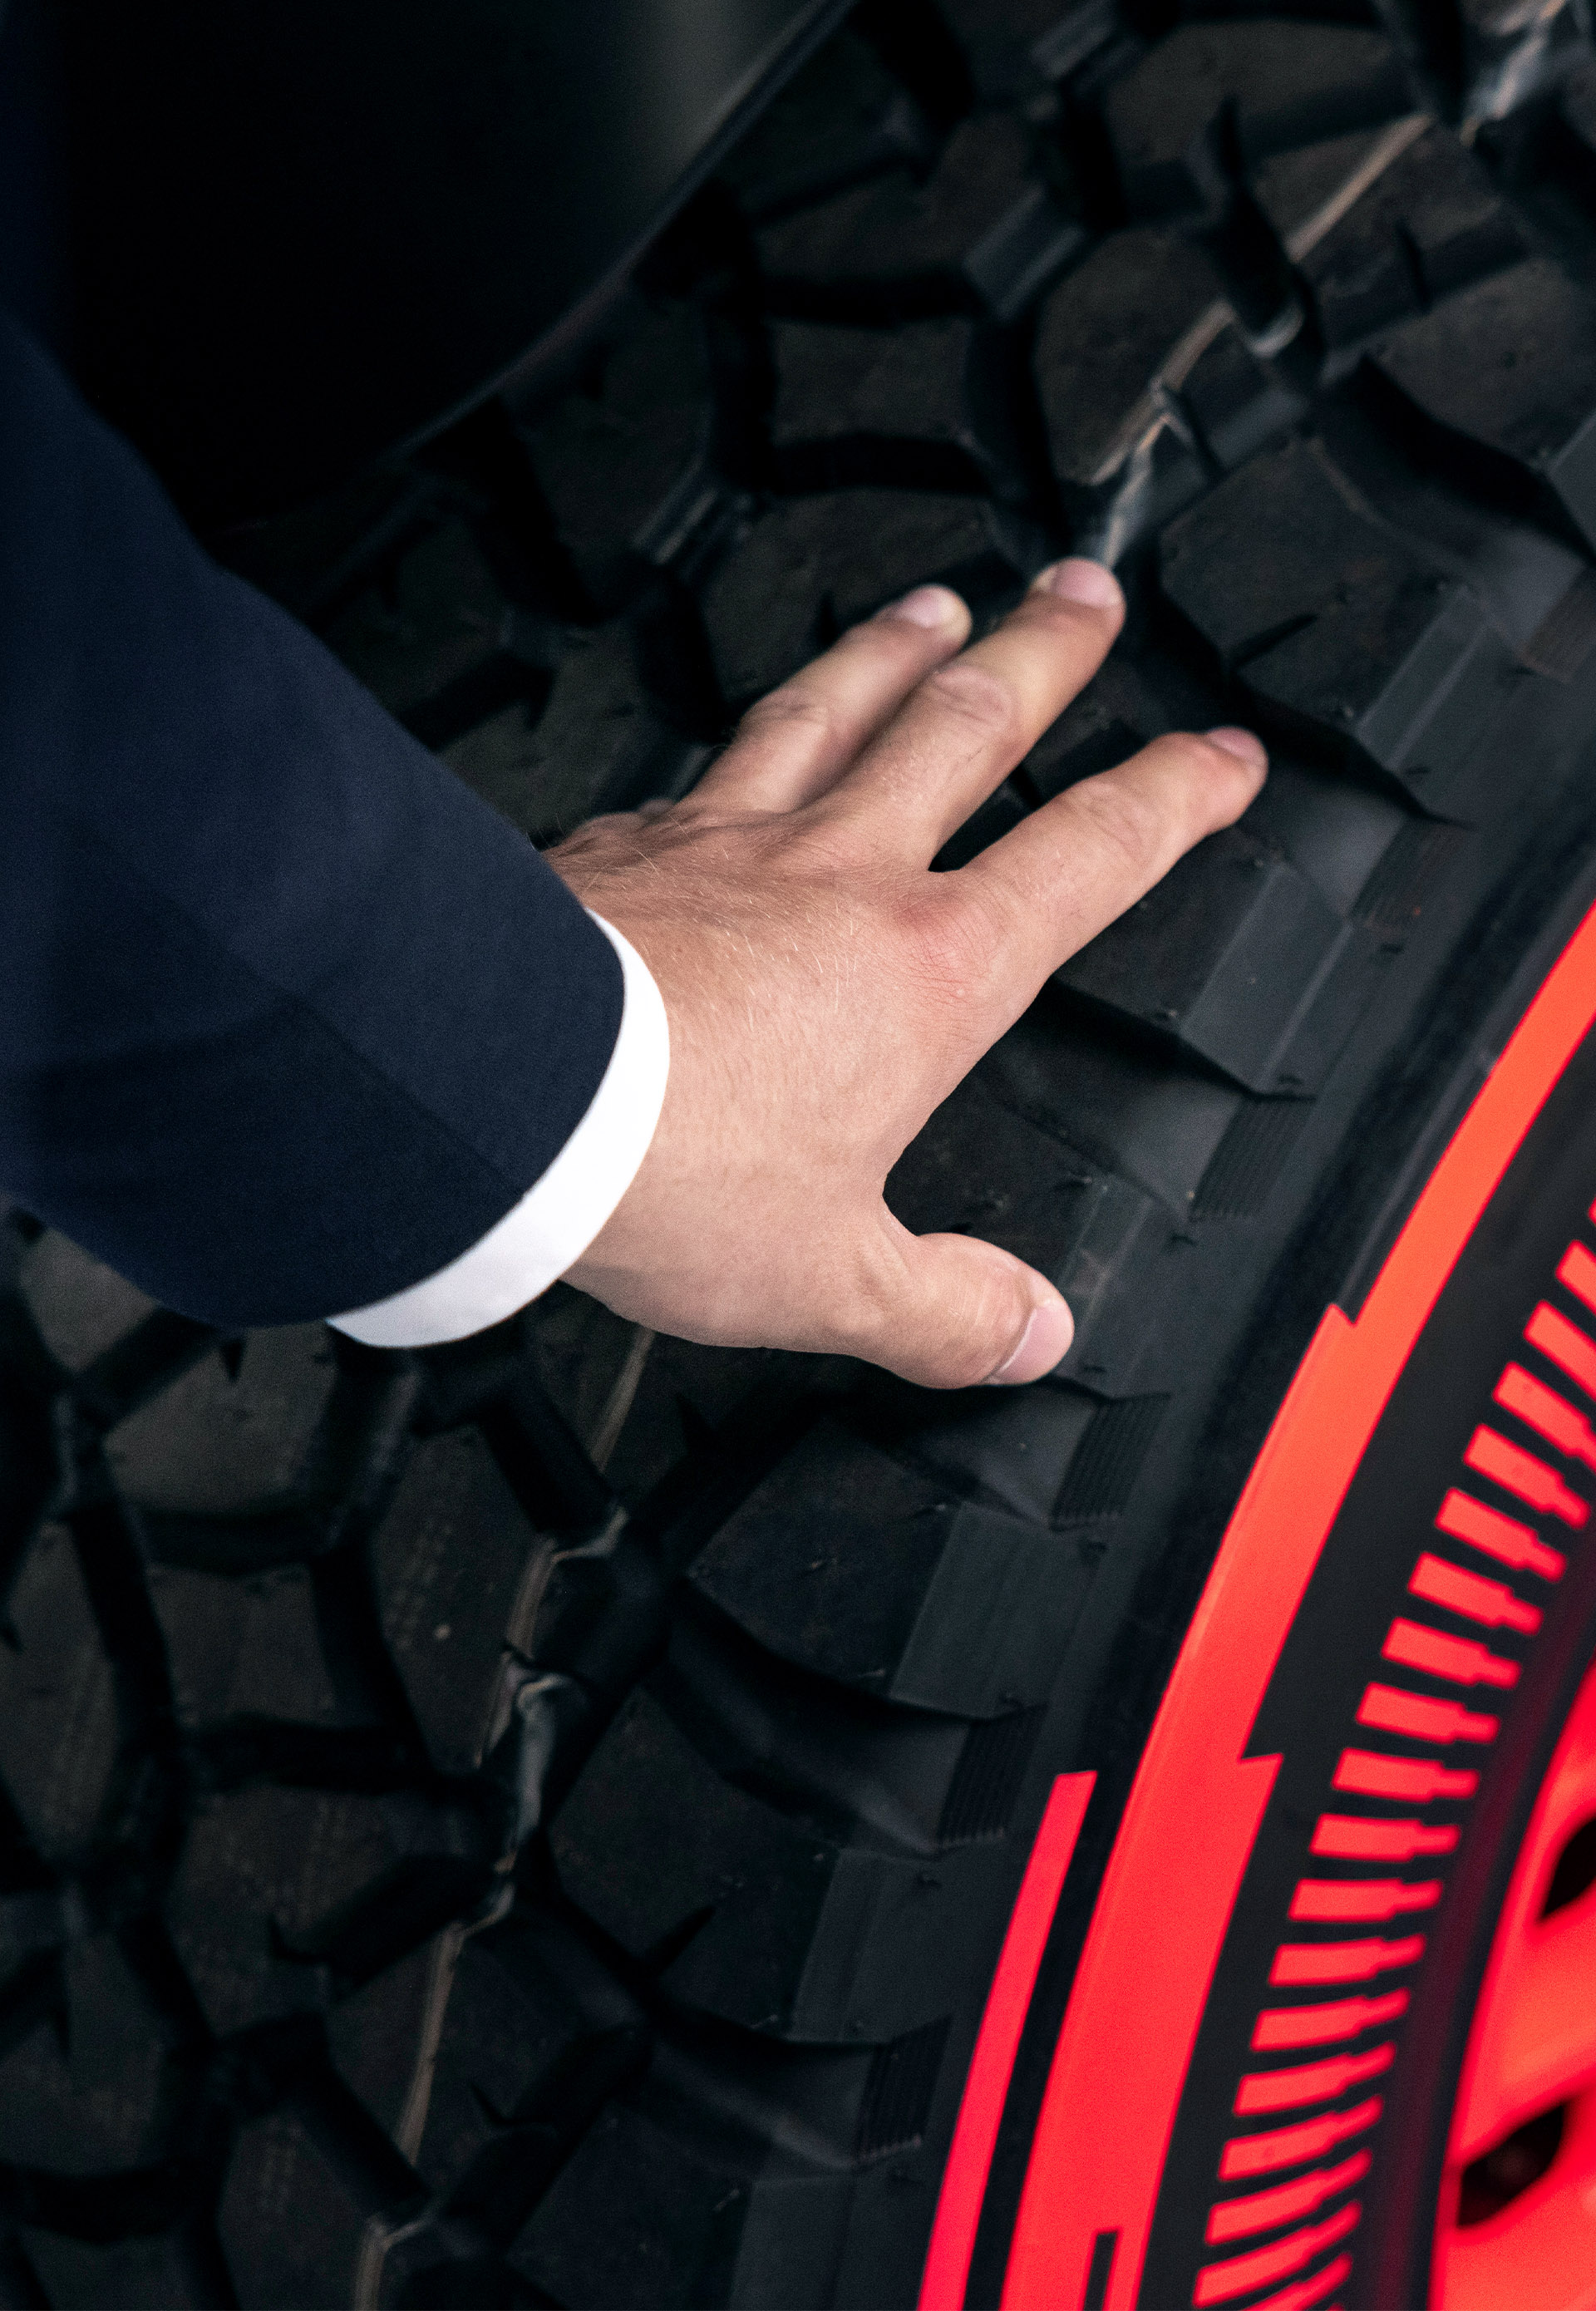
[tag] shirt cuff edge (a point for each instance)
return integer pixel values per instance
(558, 1217)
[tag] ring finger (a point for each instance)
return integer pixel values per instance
(795, 743)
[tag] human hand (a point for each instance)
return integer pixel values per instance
(826, 991)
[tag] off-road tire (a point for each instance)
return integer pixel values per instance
(538, 1822)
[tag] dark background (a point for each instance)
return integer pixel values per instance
(304, 232)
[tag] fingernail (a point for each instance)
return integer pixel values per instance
(930, 606)
(1045, 1338)
(1243, 744)
(1078, 581)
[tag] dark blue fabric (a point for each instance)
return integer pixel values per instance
(288, 1017)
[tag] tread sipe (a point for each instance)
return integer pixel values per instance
(536, 1822)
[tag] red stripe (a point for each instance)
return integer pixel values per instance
(1393, 1711)
(1439, 1581)
(1307, 2292)
(1349, 1837)
(1218, 2281)
(1578, 1272)
(1283, 2202)
(1280, 2027)
(1525, 1474)
(1502, 1537)
(1140, 1993)
(1564, 1344)
(1419, 1780)
(1460, 1661)
(1331, 1900)
(1306, 2082)
(1540, 1408)
(1296, 1963)
(986, 2088)
(1288, 2146)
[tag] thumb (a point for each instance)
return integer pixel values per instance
(951, 1312)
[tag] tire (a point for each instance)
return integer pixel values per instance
(579, 1818)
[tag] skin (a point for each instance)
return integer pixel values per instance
(826, 991)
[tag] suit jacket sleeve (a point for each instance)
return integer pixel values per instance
(289, 1019)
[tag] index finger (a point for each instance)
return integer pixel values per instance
(964, 729)
(1074, 865)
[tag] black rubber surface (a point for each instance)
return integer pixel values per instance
(533, 1823)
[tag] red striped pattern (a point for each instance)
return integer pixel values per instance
(1458, 1591)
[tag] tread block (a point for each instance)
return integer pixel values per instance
(58, 1724)
(921, 1783)
(745, 1912)
(1573, 144)
(1262, 85)
(1112, 719)
(1115, 1092)
(1132, 1277)
(1016, 48)
(30, 1921)
(457, 1570)
(440, 644)
(981, 235)
(258, 1865)
(1405, 877)
(1116, 339)
(600, 743)
(87, 2089)
(1236, 400)
(812, 566)
(275, 1889)
(1233, 958)
(1250, 1159)
(473, 2040)
(157, 2272)
(1011, 1455)
(635, 2220)
(247, 1648)
(852, 1565)
(82, 1309)
(1102, 1474)
(985, 1785)
(1511, 55)
(249, 1431)
(654, 1846)
(378, 2038)
(645, 2219)
(1427, 221)
(1339, 634)
(843, 119)
(925, 405)
(630, 476)
(1501, 382)
(294, 2217)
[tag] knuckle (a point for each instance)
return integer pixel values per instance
(1125, 820)
(952, 941)
(799, 708)
(973, 695)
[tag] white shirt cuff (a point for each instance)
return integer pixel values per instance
(560, 1214)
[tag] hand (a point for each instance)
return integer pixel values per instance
(826, 991)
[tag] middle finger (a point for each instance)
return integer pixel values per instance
(959, 735)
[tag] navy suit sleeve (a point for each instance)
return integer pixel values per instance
(288, 1017)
